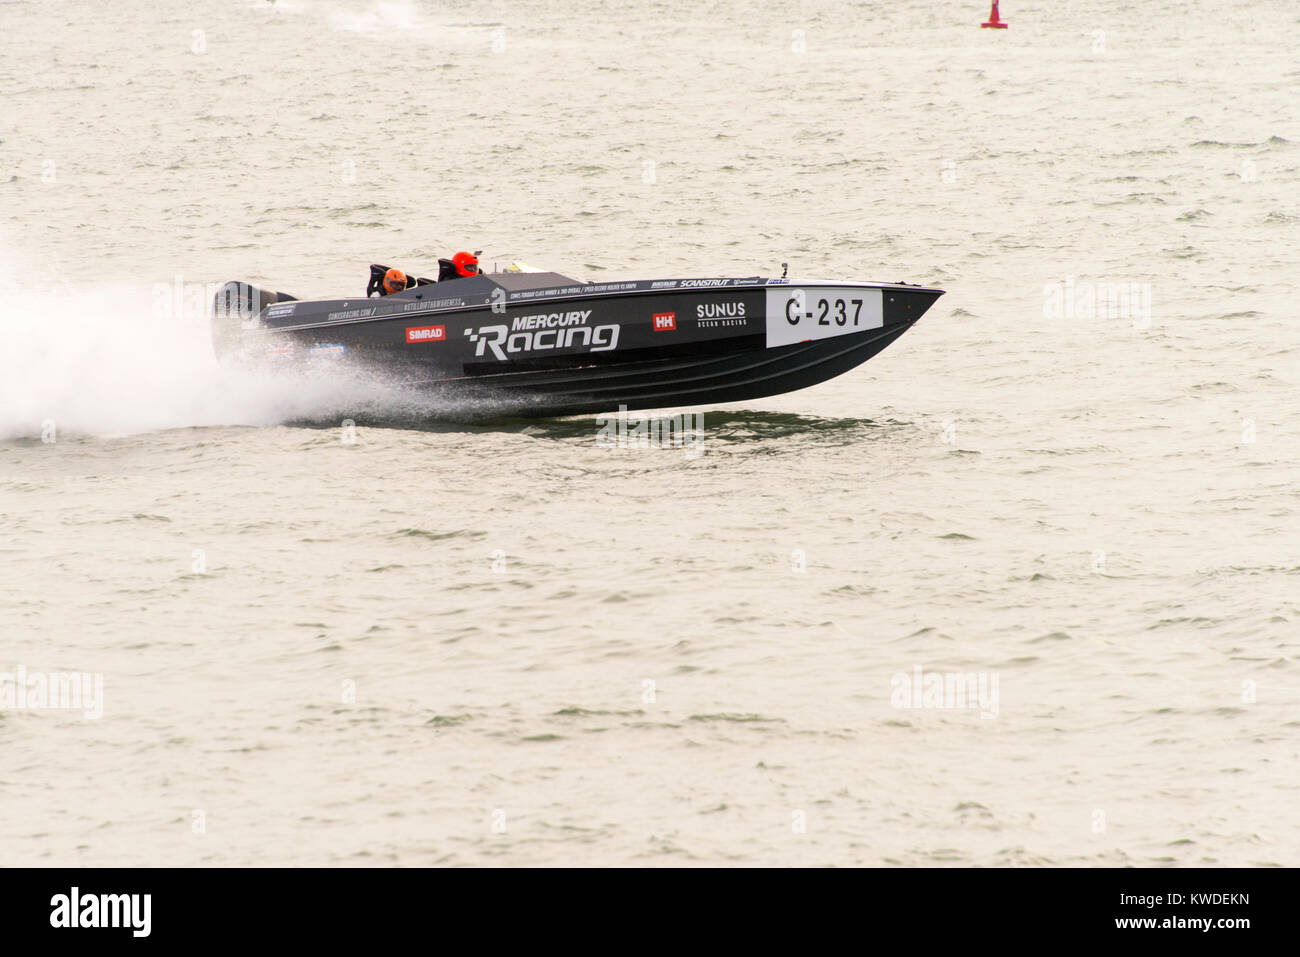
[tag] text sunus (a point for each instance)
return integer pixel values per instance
(102, 910)
(720, 310)
(543, 332)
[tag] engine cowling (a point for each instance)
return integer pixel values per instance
(236, 307)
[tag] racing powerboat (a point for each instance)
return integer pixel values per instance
(528, 342)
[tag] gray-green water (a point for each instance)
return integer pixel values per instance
(503, 644)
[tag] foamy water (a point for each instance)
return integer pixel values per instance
(412, 640)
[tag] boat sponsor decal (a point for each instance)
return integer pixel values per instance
(550, 320)
(350, 314)
(586, 290)
(542, 332)
(327, 350)
(801, 314)
(719, 310)
(692, 283)
(716, 315)
(778, 282)
(664, 321)
(283, 309)
(280, 350)
(664, 284)
(426, 333)
(599, 287)
(432, 304)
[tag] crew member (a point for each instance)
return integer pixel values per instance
(460, 266)
(466, 264)
(394, 281)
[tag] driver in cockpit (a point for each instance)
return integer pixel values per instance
(394, 281)
(385, 281)
(460, 266)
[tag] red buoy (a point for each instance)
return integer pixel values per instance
(993, 22)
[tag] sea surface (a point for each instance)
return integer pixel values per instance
(416, 640)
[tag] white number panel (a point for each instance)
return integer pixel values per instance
(799, 313)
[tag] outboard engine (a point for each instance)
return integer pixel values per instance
(236, 307)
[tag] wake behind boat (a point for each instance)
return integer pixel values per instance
(541, 343)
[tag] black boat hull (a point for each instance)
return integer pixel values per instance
(543, 344)
(664, 383)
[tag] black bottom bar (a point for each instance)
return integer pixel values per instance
(329, 908)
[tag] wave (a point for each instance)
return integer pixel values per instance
(123, 358)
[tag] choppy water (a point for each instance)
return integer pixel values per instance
(502, 644)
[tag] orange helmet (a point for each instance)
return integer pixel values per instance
(394, 281)
(466, 264)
